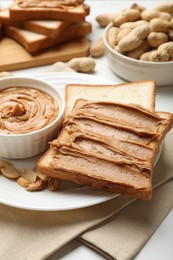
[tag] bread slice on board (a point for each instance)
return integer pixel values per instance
(74, 11)
(51, 28)
(34, 42)
(107, 159)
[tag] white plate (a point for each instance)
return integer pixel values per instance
(69, 196)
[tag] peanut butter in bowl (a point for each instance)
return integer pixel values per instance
(31, 113)
(24, 110)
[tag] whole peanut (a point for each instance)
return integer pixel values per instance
(83, 64)
(98, 48)
(112, 36)
(104, 19)
(149, 14)
(146, 55)
(159, 25)
(127, 16)
(132, 25)
(155, 39)
(136, 53)
(163, 53)
(165, 7)
(134, 38)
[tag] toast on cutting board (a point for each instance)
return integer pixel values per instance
(71, 10)
(104, 144)
(35, 34)
(34, 42)
(51, 28)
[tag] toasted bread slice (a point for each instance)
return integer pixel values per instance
(34, 42)
(141, 92)
(51, 28)
(108, 146)
(48, 10)
(105, 172)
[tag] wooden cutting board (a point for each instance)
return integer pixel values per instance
(13, 56)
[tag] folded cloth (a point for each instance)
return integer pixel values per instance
(123, 236)
(35, 235)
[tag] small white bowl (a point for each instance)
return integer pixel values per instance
(135, 70)
(18, 146)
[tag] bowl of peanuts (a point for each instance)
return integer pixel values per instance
(31, 113)
(139, 44)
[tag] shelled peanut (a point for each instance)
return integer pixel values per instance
(141, 33)
(31, 180)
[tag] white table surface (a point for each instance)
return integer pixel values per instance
(160, 245)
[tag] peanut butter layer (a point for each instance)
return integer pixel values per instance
(125, 141)
(109, 146)
(61, 4)
(98, 148)
(134, 118)
(103, 170)
(24, 110)
(112, 126)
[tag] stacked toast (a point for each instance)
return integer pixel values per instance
(110, 139)
(38, 24)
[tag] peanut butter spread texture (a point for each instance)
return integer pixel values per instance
(24, 110)
(49, 3)
(111, 142)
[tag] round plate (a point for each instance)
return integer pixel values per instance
(69, 196)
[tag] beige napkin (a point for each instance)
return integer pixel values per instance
(35, 235)
(122, 236)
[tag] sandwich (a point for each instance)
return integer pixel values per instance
(109, 145)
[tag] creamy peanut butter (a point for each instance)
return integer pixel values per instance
(112, 132)
(48, 4)
(24, 110)
(108, 146)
